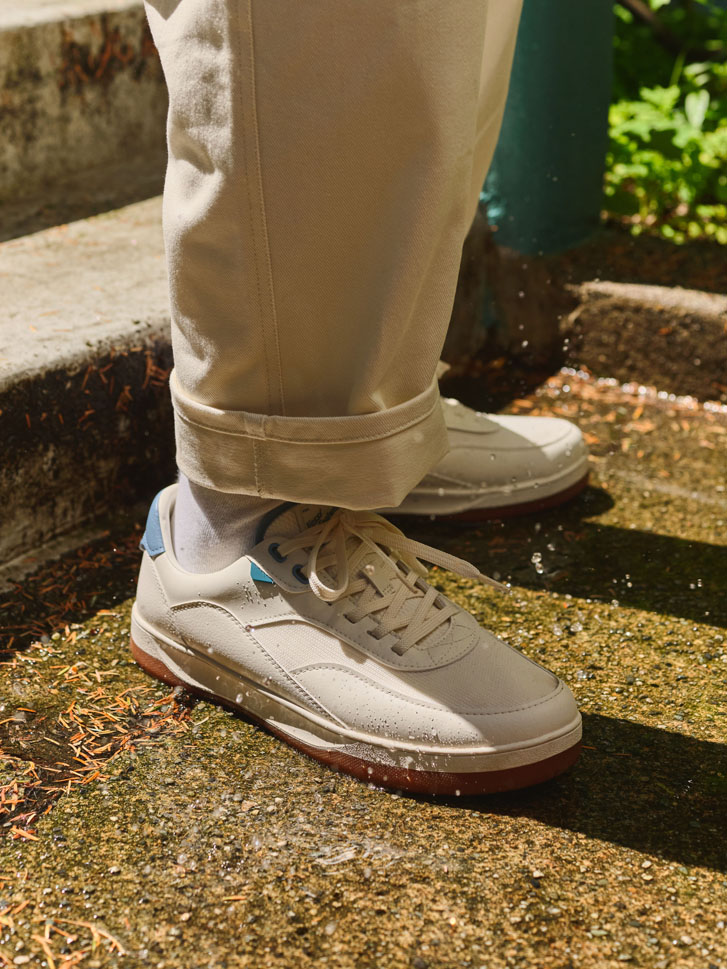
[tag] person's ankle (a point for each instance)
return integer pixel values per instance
(212, 529)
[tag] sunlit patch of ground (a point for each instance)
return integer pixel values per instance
(180, 835)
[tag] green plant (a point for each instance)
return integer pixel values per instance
(667, 161)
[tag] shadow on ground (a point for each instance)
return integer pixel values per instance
(593, 560)
(644, 788)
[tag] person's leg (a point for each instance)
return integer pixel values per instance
(319, 191)
(496, 465)
(318, 194)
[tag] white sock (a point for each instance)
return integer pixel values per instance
(213, 529)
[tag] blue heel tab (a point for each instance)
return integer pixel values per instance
(257, 574)
(152, 540)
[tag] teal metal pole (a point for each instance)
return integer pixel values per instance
(544, 190)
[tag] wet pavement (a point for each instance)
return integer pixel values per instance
(146, 829)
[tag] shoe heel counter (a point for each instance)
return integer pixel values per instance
(152, 604)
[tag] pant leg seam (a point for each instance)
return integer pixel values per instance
(263, 212)
(236, 38)
(256, 468)
(256, 209)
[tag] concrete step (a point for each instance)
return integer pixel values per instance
(82, 89)
(85, 418)
(666, 336)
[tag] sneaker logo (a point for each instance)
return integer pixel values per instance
(321, 515)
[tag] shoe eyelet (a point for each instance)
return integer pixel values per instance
(298, 573)
(274, 553)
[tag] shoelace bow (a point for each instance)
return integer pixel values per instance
(329, 546)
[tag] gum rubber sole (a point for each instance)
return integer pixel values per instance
(382, 775)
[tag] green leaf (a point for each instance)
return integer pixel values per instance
(664, 98)
(696, 105)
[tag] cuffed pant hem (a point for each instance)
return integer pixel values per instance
(359, 461)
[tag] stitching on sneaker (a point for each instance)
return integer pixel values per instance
(301, 691)
(426, 706)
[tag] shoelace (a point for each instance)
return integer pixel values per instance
(329, 546)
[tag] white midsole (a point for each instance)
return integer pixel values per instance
(456, 500)
(280, 713)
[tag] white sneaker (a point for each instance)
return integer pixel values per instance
(500, 465)
(328, 634)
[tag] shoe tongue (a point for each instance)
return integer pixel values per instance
(291, 520)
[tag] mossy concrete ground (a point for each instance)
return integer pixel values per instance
(170, 833)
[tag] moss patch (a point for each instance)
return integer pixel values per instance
(203, 841)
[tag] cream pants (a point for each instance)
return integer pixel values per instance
(325, 161)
